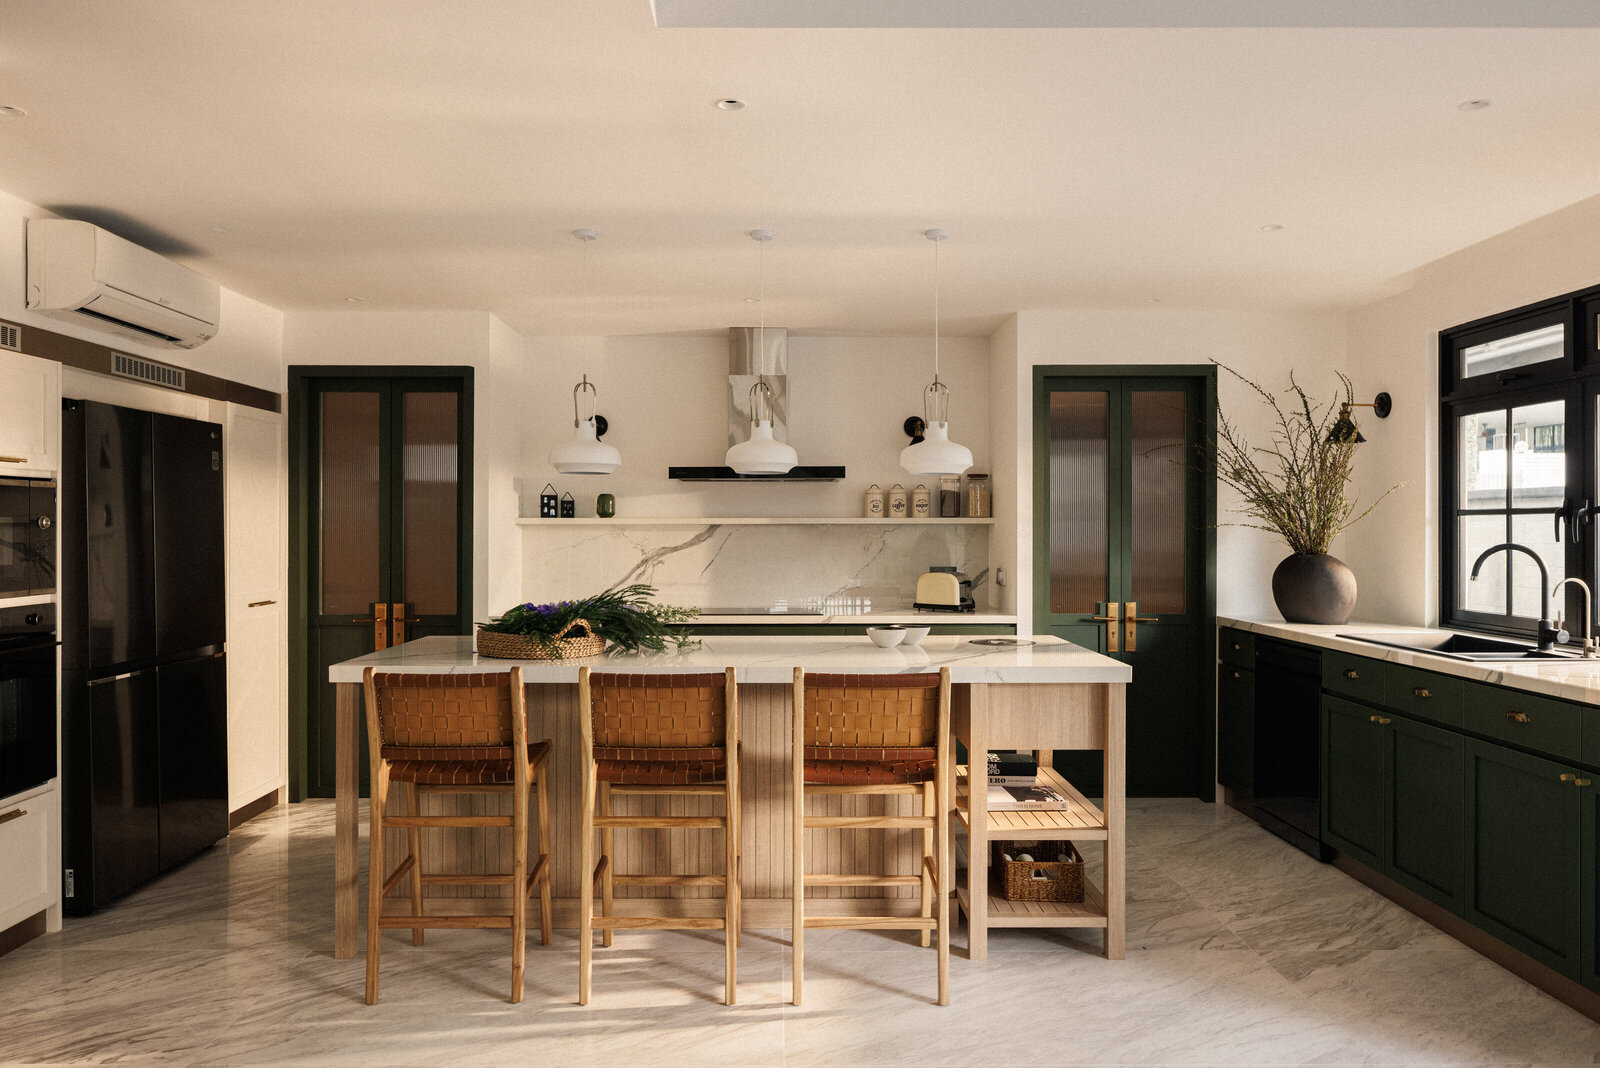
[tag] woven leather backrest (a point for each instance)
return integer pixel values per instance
(659, 711)
(872, 711)
(419, 711)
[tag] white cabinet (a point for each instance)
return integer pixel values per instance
(30, 414)
(30, 856)
(257, 666)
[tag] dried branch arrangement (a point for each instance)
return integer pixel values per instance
(1299, 487)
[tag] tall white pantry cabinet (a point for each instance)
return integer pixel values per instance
(30, 822)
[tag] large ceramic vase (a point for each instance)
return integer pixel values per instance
(1314, 588)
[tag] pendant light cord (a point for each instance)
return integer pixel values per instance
(936, 311)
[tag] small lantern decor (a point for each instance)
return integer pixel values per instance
(547, 502)
(569, 507)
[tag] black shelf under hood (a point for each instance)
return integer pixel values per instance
(728, 474)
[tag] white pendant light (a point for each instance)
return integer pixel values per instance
(585, 454)
(936, 454)
(761, 453)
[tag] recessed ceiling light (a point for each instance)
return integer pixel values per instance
(730, 104)
(1152, 300)
(220, 229)
(9, 112)
(752, 300)
(1270, 227)
(1472, 105)
(354, 300)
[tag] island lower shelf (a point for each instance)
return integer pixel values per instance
(1082, 822)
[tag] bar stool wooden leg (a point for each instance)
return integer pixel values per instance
(380, 797)
(730, 907)
(586, 869)
(608, 842)
(928, 797)
(797, 829)
(519, 893)
(413, 794)
(943, 836)
(546, 912)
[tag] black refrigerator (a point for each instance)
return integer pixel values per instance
(144, 718)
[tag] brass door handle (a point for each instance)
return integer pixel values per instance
(1378, 719)
(263, 604)
(1351, 673)
(1130, 625)
(1518, 717)
(1420, 691)
(1112, 618)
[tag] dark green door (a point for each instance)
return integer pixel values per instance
(386, 492)
(1353, 777)
(1121, 530)
(1424, 843)
(1524, 820)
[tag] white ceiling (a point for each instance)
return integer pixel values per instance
(431, 155)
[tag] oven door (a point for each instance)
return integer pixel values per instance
(27, 711)
(27, 536)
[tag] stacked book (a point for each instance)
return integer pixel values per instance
(1014, 785)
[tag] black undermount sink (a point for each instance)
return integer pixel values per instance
(1460, 646)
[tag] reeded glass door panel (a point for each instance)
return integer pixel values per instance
(350, 549)
(1159, 419)
(1079, 558)
(1538, 455)
(431, 464)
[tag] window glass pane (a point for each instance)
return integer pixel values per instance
(1484, 459)
(1486, 593)
(1538, 533)
(1538, 442)
(1519, 350)
(1159, 499)
(1079, 561)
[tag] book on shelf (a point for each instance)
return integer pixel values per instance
(1026, 799)
(1012, 768)
(1013, 780)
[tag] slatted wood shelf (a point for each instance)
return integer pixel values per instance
(1083, 820)
(1090, 912)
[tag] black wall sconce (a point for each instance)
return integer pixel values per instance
(1344, 430)
(914, 426)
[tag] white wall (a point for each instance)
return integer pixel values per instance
(1261, 345)
(1394, 346)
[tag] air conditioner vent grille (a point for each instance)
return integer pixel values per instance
(11, 337)
(148, 371)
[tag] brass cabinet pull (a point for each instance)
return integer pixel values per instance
(1351, 673)
(1378, 719)
(1237, 647)
(1518, 717)
(1237, 675)
(1420, 691)
(263, 604)
(13, 459)
(1576, 780)
(14, 814)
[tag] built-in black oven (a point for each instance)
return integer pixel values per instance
(28, 678)
(27, 536)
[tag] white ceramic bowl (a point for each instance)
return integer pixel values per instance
(914, 635)
(886, 636)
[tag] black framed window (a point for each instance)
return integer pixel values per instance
(1520, 400)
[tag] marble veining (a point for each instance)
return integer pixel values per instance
(1241, 951)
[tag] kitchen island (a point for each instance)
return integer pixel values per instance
(1046, 695)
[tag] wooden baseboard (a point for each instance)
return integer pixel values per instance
(1514, 961)
(247, 812)
(19, 934)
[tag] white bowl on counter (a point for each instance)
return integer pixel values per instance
(888, 635)
(914, 635)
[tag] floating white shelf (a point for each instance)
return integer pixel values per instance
(750, 521)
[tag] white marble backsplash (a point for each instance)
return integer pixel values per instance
(726, 565)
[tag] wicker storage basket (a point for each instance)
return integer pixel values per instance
(523, 647)
(1037, 880)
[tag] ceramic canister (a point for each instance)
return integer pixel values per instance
(872, 506)
(897, 501)
(920, 502)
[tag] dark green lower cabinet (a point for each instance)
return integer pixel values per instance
(1425, 817)
(1236, 730)
(1589, 885)
(1524, 846)
(1353, 775)
(1391, 797)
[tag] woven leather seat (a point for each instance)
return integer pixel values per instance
(454, 733)
(656, 735)
(885, 735)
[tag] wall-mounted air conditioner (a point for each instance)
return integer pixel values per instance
(83, 274)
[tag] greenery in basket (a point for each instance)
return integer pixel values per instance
(626, 617)
(1299, 486)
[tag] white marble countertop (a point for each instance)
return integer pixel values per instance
(772, 659)
(1574, 680)
(887, 613)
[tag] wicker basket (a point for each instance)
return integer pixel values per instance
(523, 647)
(1037, 880)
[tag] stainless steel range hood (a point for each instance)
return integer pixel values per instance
(751, 349)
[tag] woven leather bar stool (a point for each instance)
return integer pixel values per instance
(656, 734)
(454, 734)
(875, 734)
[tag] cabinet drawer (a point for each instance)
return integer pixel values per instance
(1353, 676)
(1425, 695)
(1533, 722)
(23, 844)
(1236, 647)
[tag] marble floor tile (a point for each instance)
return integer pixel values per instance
(1241, 951)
